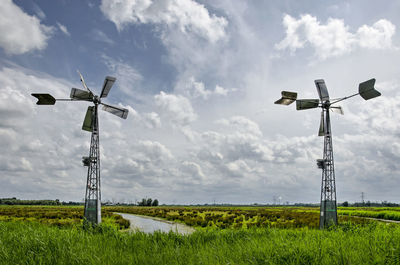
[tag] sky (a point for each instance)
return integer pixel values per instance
(200, 79)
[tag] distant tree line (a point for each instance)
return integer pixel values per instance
(15, 201)
(148, 202)
(151, 202)
(370, 204)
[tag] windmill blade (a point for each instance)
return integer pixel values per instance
(88, 121)
(302, 104)
(80, 94)
(321, 131)
(120, 112)
(108, 83)
(287, 98)
(337, 109)
(367, 90)
(322, 89)
(83, 82)
(44, 99)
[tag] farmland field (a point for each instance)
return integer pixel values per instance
(55, 215)
(232, 235)
(206, 217)
(235, 217)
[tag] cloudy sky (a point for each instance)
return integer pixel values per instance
(199, 78)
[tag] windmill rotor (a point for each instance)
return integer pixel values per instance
(108, 83)
(302, 104)
(322, 90)
(322, 126)
(120, 112)
(79, 94)
(328, 206)
(337, 109)
(92, 212)
(88, 121)
(83, 82)
(287, 98)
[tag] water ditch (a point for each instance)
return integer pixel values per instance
(151, 224)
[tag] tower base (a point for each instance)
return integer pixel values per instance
(328, 215)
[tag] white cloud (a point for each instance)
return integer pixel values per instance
(39, 12)
(238, 165)
(33, 136)
(155, 151)
(193, 172)
(242, 124)
(231, 146)
(176, 108)
(148, 120)
(195, 89)
(185, 15)
(63, 29)
(378, 36)
(219, 90)
(334, 38)
(21, 32)
(152, 120)
(99, 35)
(128, 77)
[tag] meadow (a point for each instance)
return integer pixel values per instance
(67, 216)
(224, 235)
(387, 213)
(200, 217)
(34, 243)
(236, 217)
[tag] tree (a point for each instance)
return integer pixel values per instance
(148, 202)
(345, 204)
(143, 202)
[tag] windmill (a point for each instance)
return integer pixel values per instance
(328, 207)
(92, 212)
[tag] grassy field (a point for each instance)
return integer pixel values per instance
(225, 235)
(237, 217)
(34, 243)
(56, 215)
(388, 213)
(206, 217)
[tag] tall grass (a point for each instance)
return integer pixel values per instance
(33, 243)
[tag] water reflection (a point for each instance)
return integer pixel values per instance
(149, 224)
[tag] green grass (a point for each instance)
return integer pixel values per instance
(236, 217)
(207, 217)
(61, 216)
(34, 243)
(386, 213)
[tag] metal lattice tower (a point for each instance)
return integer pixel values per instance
(92, 212)
(328, 206)
(93, 192)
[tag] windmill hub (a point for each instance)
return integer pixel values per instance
(96, 100)
(326, 104)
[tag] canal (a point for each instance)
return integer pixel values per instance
(150, 224)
